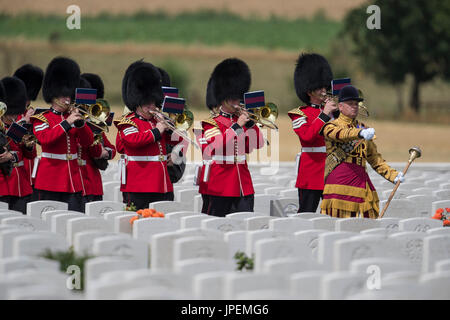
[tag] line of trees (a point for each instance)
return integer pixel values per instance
(413, 39)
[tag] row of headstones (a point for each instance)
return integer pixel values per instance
(203, 249)
(287, 275)
(67, 224)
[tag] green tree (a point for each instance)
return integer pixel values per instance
(414, 39)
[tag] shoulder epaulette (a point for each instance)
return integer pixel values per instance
(211, 121)
(40, 117)
(297, 111)
(126, 121)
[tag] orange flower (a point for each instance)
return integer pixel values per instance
(437, 216)
(134, 219)
(140, 211)
(447, 209)
(446, 223)
(440, 211)
(146, 214)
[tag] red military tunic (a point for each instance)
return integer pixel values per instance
(27, 163)
(307, 122)
(228, 144)
(206, 155)
(58, 168)
(17, 184)
(145, 155)
(90, 174)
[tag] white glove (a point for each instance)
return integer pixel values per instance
(367, 133)
(399, 177)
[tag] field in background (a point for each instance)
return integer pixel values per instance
(246, 8)
(203, 27)
(272, 71)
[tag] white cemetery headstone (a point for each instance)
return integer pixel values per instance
(258, 223)
(143, 229)
(168, 206)
(306, 285)
(122, 223)
(290, 224)
(435, 248)
(268, 249)
(356, 224)
(419, 224)
(130, 249)
(193, 221)
(26, 263)
(84, 223)
(283, 207)
(223, 224)
(325, 246)
(25, 222)
(199, 247)
(99, 208)
(35, 209)
(38, 244)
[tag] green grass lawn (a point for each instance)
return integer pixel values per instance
(204, 27)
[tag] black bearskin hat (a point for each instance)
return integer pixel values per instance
(84, 83)
(61, 79)
(144, 86)
(16, 95)
(95, 83)
(311, 72)
(32, 76)
(165, 78)
(231, 79)
(130, 68)
(211, 102)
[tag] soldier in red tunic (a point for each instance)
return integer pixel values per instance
(32, 76)
(18, 187)
(94, 157)
(229, 137)
(59, 131)
(312, 77)
(143, 137)
(203, 171)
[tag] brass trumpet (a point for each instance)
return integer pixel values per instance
(265, 115)
(3, 108)
(97, 113)
(178, 123)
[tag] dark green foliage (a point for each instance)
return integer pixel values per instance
(414, 39)
(68, 258)
(243, 261)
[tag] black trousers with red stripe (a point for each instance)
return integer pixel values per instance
(73, 200)
(308, 200)
(221, 206)
(142, 200)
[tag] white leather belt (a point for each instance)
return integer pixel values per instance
(240, 158)
(59, 156)
(147, 158)
(314, 149)
(18, 164)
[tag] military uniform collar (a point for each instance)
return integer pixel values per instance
(316, 105)
(346, 119)
(142, 118)
(226, 114)
(55, 112)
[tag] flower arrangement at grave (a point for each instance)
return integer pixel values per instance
(68, 258)
(146, 213)
(243, 261)
(443, 215)
(131, 207)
